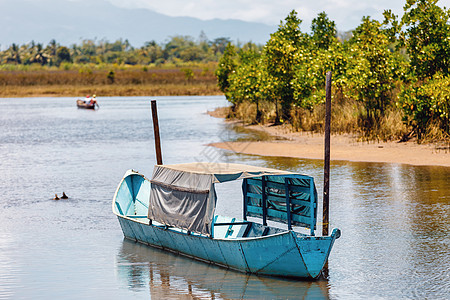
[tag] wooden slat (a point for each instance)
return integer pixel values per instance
(296, 219)
(255, 210)
(253, 195)
(297, 196)
(231, 223)
(288, 204)
(244, 192)
(305, 220)
(229, 232)
(264, 201)
(296, 202)
(283, 200)
(312, 220)
(252, 181)
(292, 188)
(280, 186)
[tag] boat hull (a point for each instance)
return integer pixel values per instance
(83, 104)
(285, 254)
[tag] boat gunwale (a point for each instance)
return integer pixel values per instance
(246, 239)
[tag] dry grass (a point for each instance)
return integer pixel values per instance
(122, 82)
(391, 127)
(246, 112)
(347, 115)
(93, 74)
(434, 134)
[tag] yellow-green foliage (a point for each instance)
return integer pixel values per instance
(427, 107)
(368, 72)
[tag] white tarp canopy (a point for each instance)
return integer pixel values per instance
(183, 195)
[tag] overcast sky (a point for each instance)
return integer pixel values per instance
(346, 13)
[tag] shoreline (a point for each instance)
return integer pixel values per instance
(306, 145)
(149, 90)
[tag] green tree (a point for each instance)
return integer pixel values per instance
(50, 50)
(323, 31)
(219, 45)
(281, 55)
(309, 81)
(62, 55)
(426, 36)
(153, 51)
(424, 31)
(38, 55)
(245, 81)
(324, 54)
(427, 105)
(183, 48)
(13, 55)
(371, 70)
(227, 65)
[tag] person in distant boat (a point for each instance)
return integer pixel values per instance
(93, 100)
(88, 98)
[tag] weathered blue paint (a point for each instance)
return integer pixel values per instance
(290, 199)
(279, 253)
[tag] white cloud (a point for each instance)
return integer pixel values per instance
(346, 13)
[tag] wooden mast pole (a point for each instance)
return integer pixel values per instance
(156, 132)
(326, 173)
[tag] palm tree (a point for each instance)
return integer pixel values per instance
(39, 56)
(13, 55)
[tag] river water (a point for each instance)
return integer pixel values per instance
(395, 219)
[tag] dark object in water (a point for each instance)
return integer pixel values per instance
(56, 197)
(64, 196)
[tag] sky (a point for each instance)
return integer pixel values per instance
(347, 14)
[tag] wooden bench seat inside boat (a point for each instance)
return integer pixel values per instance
(232, 228)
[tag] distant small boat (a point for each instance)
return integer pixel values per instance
(174, 211)
(86, 105)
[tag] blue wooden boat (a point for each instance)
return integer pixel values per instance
(175, 211)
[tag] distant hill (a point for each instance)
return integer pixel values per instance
(68, 22)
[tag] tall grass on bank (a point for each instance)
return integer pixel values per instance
(346, 119)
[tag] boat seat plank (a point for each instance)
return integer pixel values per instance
(230, 228)
(231, 223)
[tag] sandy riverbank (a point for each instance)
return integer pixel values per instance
(343, 147)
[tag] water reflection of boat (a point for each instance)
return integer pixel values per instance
(175, 211)
(171, 276)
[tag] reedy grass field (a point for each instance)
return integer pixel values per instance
(108, 80)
